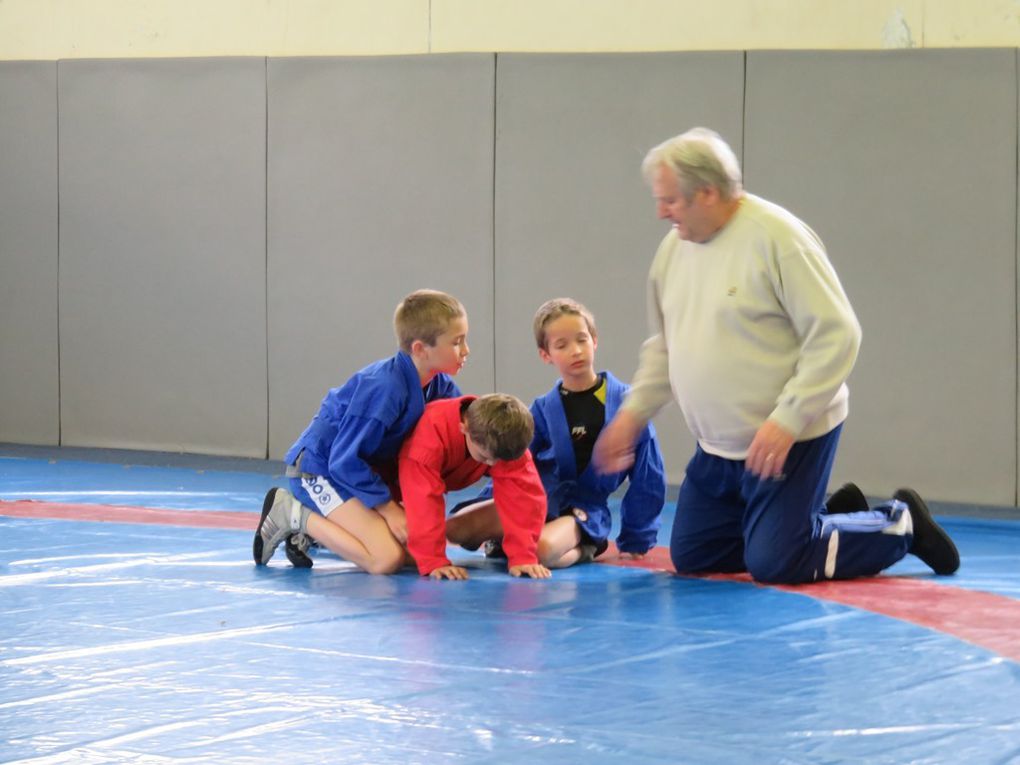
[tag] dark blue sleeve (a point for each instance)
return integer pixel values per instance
(542, 451)
(349, 471)
(642, 504)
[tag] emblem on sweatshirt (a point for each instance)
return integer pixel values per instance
(578, 432)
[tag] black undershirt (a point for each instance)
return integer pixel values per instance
(586, 414)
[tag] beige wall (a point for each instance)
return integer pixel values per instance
(62, 29)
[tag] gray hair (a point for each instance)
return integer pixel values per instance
(700, 158)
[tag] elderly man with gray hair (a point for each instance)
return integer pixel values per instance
(755, 337)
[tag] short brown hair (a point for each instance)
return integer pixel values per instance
(501, 424)
(553, 309)
(425, 315)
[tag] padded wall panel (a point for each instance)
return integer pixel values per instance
(573, 215)
(905, 164)
(380, 182)
(162, 228)
(29, 387)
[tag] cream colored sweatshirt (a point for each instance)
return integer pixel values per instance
(749, 326)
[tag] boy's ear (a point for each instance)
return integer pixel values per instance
(417, 347)
(544, 355)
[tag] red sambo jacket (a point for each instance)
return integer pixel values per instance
(434, 460)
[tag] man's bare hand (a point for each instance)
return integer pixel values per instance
(771, 446)
(614, 449)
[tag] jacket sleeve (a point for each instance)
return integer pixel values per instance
(643, 502)
(520, 502)
(357, 437)
(425, 505)
(542, 452)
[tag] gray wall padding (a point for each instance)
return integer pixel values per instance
(29, 392)
(234, 233)
(573, 214)
(380, 178)
(905, 164)
(162, 254)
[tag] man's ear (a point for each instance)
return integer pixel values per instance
(711, 195)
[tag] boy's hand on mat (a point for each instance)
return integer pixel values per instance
(534, 570)
(396, 519)
(449, 572)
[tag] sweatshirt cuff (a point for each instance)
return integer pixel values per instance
(641, 409)
(791, 420)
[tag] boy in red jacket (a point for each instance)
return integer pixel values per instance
(456, 442)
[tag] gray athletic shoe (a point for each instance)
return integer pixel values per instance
(281, 517)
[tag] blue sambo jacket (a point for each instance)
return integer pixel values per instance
(363, 424)
(589, 492)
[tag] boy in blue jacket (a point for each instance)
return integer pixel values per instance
(343, 475)
(568, 420)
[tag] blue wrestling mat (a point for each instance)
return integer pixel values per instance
(146, 635)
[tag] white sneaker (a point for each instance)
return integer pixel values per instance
(281, 516)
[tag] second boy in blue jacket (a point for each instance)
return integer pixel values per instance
(568, 420)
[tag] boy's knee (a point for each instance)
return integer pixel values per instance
(388, 563)
(546, 553)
